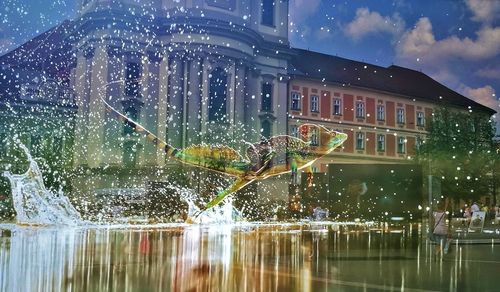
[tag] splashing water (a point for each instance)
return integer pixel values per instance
(221, 213)
(34, 204)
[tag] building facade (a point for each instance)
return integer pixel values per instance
(223, 72)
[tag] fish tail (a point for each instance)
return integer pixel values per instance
(169, 150)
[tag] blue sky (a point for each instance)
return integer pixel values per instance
(457, 42)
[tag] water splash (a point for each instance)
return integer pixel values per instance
(221, 213)
(34, 204)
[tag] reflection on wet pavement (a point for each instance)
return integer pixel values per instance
(293, 257)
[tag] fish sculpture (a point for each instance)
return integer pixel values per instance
(274, 156)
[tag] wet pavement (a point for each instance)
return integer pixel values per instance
(248, 257)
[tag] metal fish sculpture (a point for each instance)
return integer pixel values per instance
(277, 155)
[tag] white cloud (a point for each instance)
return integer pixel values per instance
(490, 72)
(367, 23)
(420, 44)
(483, 95)
(484, 10)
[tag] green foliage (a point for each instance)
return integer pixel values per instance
(459, 149)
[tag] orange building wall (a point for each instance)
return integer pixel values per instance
(325, 106)
(370, 110)
(410, 116)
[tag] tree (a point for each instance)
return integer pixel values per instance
(460, 150)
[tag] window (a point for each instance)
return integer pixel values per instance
(315, 103)
(267, 12)
(401, 145)
(360, 141)
(218, 95)
(360, 109)
(381, 143)
(294, 131)
(401, 116)
(266, 129)
(380, 113)
(267, 97)
(419, 142)
(420, 119)
(296, 98)
(132, 80)
(314, 137)
(337, 106)
(132, 113)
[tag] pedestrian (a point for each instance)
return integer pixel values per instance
(467, 215)
(474, 208)
(439, 232)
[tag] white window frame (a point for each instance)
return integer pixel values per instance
(360, 109)
(314, 103)
(380, 112)
(400, 115)
(401, 145)
(294, 131)
(420, 119)
(337, 102)
(296, 96)
(381, 142)
(360, 141)
(314, 137)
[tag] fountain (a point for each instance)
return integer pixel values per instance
(34, 204)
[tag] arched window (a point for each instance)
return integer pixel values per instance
(266, 129)
(218, 95)
(267, 97)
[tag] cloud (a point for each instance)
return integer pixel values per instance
(484, 10)
(420, 43)
(369, 23)
(300, 10)
(490, 73)
(483, 95)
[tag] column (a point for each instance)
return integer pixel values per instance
(205, 88)
(252, 121)
(176, 102)
(162, 107)
(194, 97)
(99, 76)
(112, 150)
(149, 112)
(83, 59)
(280, 96)
(231, 86)
(239, 105)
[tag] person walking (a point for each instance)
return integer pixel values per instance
(474, 208)
(440, 229)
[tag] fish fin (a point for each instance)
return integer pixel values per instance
(138, 128)
(237, 185)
